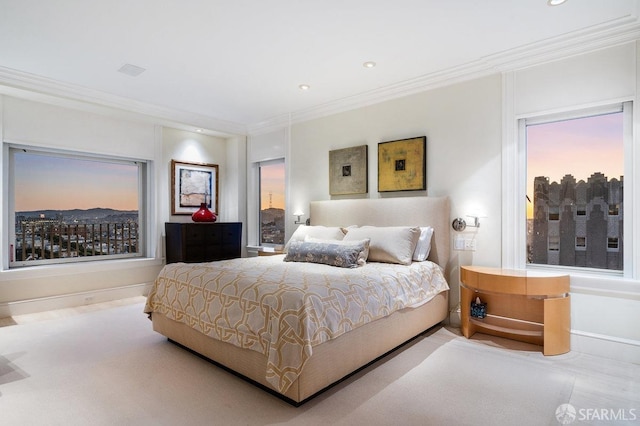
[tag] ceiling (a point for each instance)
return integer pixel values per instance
(232, 65)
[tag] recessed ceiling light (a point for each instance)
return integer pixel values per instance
(555, 2)
(304, 87)
(199, 130)
(132, 70)
(369, 64)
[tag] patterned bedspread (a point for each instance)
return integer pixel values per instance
(284, 309)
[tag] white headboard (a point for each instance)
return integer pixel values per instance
(404, 211)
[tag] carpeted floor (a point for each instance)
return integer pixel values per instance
(109, 368)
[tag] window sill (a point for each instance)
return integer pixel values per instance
(597, 282)
(80, 267)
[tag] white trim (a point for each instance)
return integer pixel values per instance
(617, 348)
(288, 184)
(564, 114)
(63, 269)
(632, 178)
(253, 198)
(510, 236)
(607, 338)
(514, 220)
(626, 293)
(514, 178)
(22, 307)
(144, 173)
(4, 182)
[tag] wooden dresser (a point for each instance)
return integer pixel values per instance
(202, 242)
(528, 306)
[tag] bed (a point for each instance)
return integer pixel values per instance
(296, 325)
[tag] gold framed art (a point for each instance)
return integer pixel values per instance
(348, 172)
(402, 165)
(191, 185)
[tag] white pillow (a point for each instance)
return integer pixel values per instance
(325, 232)
(424, 244)
(389, 244)
(364, 244)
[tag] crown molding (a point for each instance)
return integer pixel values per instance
(610, 34)
(598, 37)
(41, 89)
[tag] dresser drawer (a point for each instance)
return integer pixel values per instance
(202, 242)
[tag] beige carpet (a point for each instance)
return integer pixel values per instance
(109, 368)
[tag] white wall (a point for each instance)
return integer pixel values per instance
(44, 125)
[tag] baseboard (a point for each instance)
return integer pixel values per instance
(616, 348)
(22, 307)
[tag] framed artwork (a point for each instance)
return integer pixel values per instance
(191, 185)
(402, 165)
(348, 173)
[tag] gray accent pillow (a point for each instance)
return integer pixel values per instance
(333, 253)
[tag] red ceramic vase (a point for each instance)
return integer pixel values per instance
(204, 214)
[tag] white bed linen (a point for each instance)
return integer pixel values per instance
(283, 309)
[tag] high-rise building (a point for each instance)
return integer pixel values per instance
(577, 223)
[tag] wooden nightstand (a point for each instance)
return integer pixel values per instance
(521, 305)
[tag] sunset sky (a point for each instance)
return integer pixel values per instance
(63, 183)
(577, 147)
(272, 180)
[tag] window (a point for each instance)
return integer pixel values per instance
(575, 181)
(272, 202)
(71, 208)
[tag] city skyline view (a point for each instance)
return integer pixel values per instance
(579, 147)
(48, 182)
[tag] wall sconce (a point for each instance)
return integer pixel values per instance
(459, 224)
(298, 213)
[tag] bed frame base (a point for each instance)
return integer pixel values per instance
(331, 362)
(289, 400)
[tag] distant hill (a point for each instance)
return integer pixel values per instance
(271, 215)
(94, 213)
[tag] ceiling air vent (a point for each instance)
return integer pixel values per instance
(132, 70)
